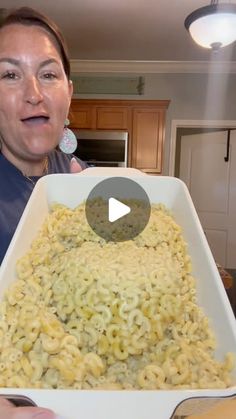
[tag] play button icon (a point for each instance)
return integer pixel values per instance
(117, 209)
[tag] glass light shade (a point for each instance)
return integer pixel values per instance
(213, 26)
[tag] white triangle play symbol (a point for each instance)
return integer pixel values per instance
(116, 209)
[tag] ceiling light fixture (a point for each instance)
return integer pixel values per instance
(213, 26)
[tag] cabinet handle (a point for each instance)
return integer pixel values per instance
(227, 146)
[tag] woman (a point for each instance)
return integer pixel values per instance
(35, 95)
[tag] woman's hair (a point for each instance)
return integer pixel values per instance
(28, 16)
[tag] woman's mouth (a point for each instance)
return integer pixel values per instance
(38, 120)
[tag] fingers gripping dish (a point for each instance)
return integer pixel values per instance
(85, 313)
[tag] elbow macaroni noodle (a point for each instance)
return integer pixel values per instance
(85, 313)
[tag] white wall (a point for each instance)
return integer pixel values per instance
(192, 96)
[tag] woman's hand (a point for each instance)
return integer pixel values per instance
(9, 411)
(74, 168)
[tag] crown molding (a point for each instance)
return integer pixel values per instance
(105, 66)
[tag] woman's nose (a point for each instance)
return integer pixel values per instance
(33, 94)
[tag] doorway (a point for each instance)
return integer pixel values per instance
(200, 157)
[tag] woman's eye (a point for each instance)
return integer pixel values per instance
(11, 75)
(49, 76)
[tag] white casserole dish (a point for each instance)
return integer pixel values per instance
(72, 190)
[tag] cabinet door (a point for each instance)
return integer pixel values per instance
(112, 118)
(147, 141)
(82, 117)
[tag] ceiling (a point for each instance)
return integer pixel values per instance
(133, 30)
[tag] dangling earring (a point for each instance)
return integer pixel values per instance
(68, 143)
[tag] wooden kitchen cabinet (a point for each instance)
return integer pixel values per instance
(99, 114)
(147, 139)
(81, 116)
(143, 119)
(112, 118)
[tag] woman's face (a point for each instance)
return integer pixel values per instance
(35, 93)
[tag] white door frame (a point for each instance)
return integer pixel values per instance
(188, 123)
